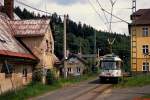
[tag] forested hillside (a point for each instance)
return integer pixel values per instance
(81, 36)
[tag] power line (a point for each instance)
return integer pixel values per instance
(110, 23)
(112, 14)
(96, 12)
(95, 9)
(111, 17)
(116, 17)
(114, 22)
(19, 2)
(102, 10)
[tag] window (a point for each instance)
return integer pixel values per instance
(47, 46)
(69, 69)
(50, 47)
(145, 49)
(78, 69)
(108, 65)
(145, 31)
(25, 72)
(7, 69)
(145, 66)
(118, 65)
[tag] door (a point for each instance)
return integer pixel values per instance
(25, 73)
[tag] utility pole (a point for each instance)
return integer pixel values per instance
(94, 42)
(134, 39)
(80, 48)
(94, 60)
(98, 53)
(133, 6)
(65, 31)
(65, 44)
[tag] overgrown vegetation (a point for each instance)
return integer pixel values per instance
(50, 77)
(31, 90)
(35, 88)
(135, 81)
(146, 96)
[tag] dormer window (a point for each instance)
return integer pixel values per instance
(145, 31)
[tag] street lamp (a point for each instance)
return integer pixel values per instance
(98, 52)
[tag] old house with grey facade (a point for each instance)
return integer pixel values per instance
(74, 65)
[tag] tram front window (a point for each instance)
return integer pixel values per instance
(109, 65)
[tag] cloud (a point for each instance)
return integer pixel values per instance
(80, 10)
(67, 2)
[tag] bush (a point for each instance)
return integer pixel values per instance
(50, 77)
(37, 76)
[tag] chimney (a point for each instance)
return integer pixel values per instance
(9, 8)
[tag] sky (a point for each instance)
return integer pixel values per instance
(81, 10)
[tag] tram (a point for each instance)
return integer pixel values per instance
(110, 66)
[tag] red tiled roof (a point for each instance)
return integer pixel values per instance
(27, 28)
(15, 54)
(9, 46)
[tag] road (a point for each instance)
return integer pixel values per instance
(134, 93)
(93, 90)
(88, 90)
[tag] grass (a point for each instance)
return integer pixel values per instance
(73, 80)
(134, 81)
(29, 91)
(146, 96)
(35, 89)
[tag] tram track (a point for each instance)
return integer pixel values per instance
(93, 93)
(90, 90)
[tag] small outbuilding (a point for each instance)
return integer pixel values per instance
(74, 65)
